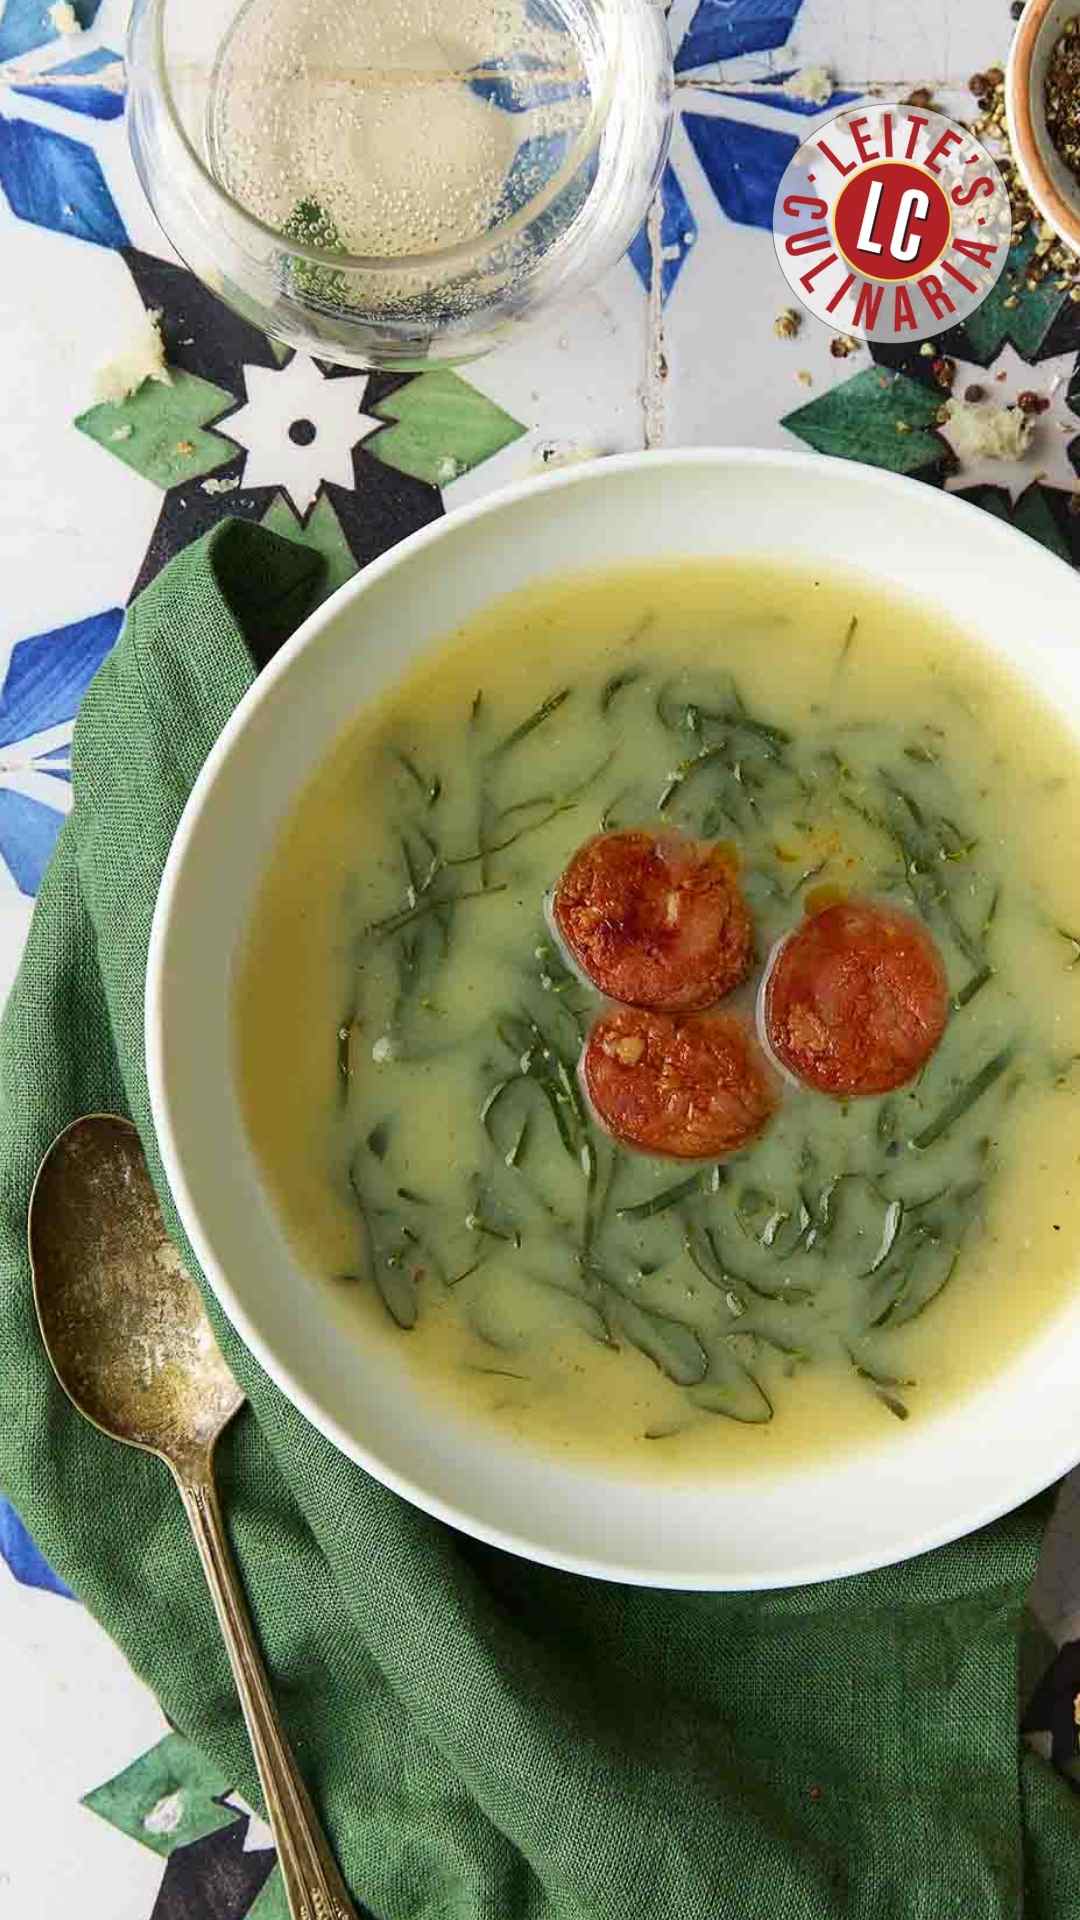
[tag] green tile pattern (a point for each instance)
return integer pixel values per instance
(1032, 513)
(1027, 323)
(270, 1903)
(165, 1799)
(878, 416)
(443, 428)
(161, 431)
(321, 530)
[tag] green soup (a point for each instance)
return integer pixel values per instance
(409, 1033)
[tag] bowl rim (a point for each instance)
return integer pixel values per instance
(1028, 150)
(1021, 1488)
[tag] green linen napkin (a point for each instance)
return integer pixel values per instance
(487, 1740)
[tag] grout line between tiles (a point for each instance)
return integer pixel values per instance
(652, 389)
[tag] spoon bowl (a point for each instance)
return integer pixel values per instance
(123, 1323)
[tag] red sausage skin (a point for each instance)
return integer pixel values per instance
(856, 999)
(656, 920)
(695, 1086)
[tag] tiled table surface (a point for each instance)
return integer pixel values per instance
(103, 1814)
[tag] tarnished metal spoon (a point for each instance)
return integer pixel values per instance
(131, 1345)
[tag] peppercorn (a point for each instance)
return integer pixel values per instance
(1061, 93)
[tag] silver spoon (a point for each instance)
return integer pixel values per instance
(133, 1349)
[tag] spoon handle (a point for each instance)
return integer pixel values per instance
(313, 1886)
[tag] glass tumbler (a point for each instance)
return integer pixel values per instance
(392, 183)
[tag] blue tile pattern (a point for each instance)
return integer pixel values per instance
(47, 676)
(545, 13)
(771, 94)
(28, 834)
(506, 84)
(723, 29)
(57, 182)
(49, 673)
(25, 24)
(678, 233)
(743, 164)
(536, 161)
(99, 102)
(22, 1556)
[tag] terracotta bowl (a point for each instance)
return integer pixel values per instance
(1054, 190)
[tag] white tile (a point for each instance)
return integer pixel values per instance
(73, 1715)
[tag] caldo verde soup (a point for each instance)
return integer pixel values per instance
(718, 1162)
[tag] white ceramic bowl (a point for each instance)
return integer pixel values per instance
(936, 1481)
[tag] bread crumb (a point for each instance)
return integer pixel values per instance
(563, 453)
(804, 377)
(143, 359)
(787, 323)
(841, 345)
(224, 485)
(982, 430)
(122, 433)
(64, 19)
(167, 1814)
(812, 84)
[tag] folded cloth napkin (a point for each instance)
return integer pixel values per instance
(487, 1740)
